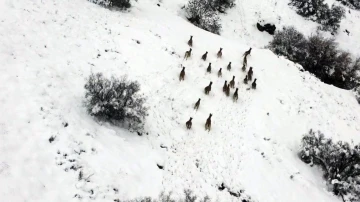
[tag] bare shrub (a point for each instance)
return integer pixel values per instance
(318, 55)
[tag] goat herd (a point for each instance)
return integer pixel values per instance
(226, 87)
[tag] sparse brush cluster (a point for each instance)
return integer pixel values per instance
(320, 12)
(339, 161)
(122, 4)
(115, 100)
(188, 197)
(204, 13)
(319, 56)
(354, 4)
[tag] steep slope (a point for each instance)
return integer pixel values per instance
(49, 48)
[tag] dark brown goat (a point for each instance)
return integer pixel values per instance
(229, 66)
(243, 68)
(219, 54)
(236, 96)
(208, 69)
(208, 123)
(190, 42)
(225, 86)
(203, 57)
(253, 85)
(220, 73)
(246, 80)
(244, 62)
(197, 104)
(182, 74)
(187, 54)
(227, 91)
(250, 74)
(248, 52)
(208, 88)
(232, 82)
(189, 123)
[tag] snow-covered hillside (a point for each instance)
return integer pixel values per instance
(49, 48)
(240, 23)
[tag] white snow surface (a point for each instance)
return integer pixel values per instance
(49, 48)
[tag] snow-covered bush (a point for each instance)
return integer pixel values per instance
(318, 55)
(202, 14)
(222, 5)
(290, 43)
(115, 100)
(122, 4)
(355, 4)
(339, 161)
(320, 12)
(308, 8)
(327, 62)
(331, 65)
(331, 18)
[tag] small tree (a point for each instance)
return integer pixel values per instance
(340, 162)
(202, 14)
(115, 100)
